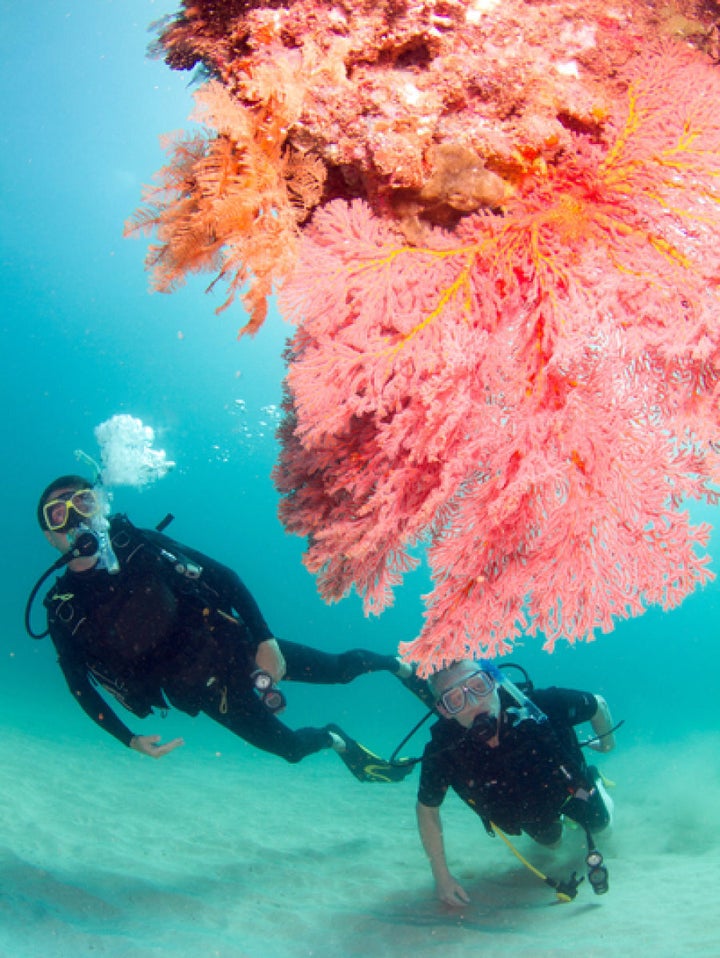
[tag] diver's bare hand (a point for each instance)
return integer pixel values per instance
(149, 745)
(451, 892)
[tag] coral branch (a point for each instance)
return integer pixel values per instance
(232, 201)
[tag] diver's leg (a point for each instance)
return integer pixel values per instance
(594, 812)
(242, 712)
(545, 833)
(305, 664)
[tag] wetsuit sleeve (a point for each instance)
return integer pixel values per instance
(91, 702)
(231, 591)
(566, 706)
(247, 608)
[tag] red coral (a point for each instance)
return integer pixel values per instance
(534, 396)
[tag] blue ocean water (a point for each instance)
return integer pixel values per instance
(83, 339)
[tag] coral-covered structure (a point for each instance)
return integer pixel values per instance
(311, 100)
(497, 227)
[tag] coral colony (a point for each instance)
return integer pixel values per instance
(496, 226)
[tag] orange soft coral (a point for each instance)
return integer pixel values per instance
(230, 201)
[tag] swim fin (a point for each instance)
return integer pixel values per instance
(365, 765)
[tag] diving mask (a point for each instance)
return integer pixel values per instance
(68, 510)
(479, 684)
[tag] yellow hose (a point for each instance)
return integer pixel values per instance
(536, 871)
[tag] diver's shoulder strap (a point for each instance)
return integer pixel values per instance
(127, 540)
(125, 537)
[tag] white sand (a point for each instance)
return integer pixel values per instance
(239, 855)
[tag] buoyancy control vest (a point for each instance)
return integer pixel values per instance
(538, 768)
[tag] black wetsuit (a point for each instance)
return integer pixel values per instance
(153, 636)
(536, 773)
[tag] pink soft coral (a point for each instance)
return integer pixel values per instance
(534, 396)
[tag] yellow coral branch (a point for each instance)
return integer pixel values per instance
(471, 253)
(633, 122)
(462, 280)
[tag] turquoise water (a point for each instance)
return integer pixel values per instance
(83, 340)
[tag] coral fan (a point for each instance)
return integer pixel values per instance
(534, 395)
(497, 226)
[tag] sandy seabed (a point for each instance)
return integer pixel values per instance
(237, 855)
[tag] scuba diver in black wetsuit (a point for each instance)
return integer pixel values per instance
(155, 624)
(515, 759)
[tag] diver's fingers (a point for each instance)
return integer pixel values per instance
(452, 893)
(150, 745)
(461, 897)
(168, 747)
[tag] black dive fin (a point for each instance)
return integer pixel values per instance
(365, 765)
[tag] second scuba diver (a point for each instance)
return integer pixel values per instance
(514, 759)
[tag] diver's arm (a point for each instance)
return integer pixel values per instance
(151, 745)
(231, 587)
(448, 889)
(244, 603)
(95, 706)
(92, 703)
(573, 707)
(266, 649)
(602, 723)
(269, 658)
